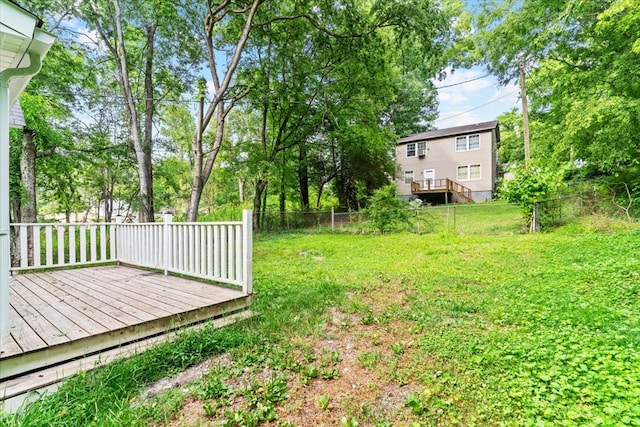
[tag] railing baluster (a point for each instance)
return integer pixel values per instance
(36, 245)
(83, 243)
(197, 250)
(192, 248)
(72, 244)
(60, 245)
(238, 257)
(209, 247)
(112, 242)
(216, 251)
(174, 257)
(24, 246)
(103, 242)
(92, 242)
(230, 243)
(223, 252)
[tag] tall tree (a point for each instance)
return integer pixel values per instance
(575, 52)
(152, 49)
(331, 85)
(226, 26)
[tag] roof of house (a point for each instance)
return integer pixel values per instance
(458, 130)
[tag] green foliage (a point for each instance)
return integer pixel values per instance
(530, 185)
(323, 402)
(511, 149)
(574, 52)
(386, 211)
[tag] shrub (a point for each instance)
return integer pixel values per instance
(531, 184)
(386, 211)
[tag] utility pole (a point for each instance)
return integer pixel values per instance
(525, 112)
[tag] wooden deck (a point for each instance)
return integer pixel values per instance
(445, 187)
(59, 316)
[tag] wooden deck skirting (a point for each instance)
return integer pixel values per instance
(440, 186)
(59, 316)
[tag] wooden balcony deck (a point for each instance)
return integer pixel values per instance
(59, 316)
(443, 186)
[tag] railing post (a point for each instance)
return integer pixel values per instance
(247, 251)
(166, 247)
(116, 237)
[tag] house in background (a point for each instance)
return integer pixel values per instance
(457, 164)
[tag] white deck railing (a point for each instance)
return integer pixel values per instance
(217, 251)
(63, 245)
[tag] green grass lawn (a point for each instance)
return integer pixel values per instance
(401, 329)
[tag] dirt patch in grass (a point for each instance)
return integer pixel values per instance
(349, 369)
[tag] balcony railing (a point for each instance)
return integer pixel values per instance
(216, 251)
(442, 185)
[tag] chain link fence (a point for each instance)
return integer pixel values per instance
(461, 218)
(559, 211)
(487, 218)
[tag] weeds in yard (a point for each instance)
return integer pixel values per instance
(323, 402)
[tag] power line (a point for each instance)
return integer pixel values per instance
(461, 83)
(479, 106)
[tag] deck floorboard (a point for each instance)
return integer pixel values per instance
(57, 316)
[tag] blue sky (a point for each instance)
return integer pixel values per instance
(475, 101)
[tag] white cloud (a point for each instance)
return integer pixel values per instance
(467, 80)
(473, 101)
(506, 95)
(458, 118)
(453, 98)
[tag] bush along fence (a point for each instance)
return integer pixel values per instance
(216, 251)
(558, 211)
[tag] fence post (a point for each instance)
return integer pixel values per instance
(534, 220)
(166, 244)
(247, 251)
(454, 217)
(333, 219)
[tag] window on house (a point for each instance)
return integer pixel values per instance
(474, 142)
(463, 173)
(411, 150)
(468, 142)
(469, 172)
(422, 148)
(475, 172)
(408, 177)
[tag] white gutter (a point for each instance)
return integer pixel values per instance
(5, 260)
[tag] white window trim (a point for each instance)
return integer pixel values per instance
(466, 137)
(405, 177)
(424, 147)
(415, 149)
(468, 167)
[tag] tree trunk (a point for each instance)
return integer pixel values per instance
(303, 176)
(257, 203)
(283, 192)
(241, 189)
(202, 170)
(15, 214)
(28, 176)
(142, 139)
